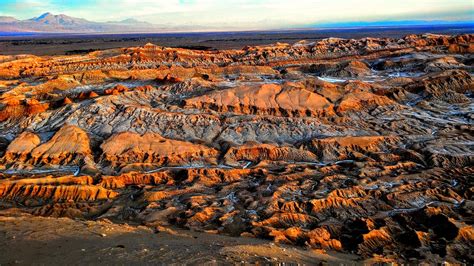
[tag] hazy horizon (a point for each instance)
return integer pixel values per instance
(246, 14)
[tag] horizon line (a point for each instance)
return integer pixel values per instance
(276, 30)
(319, 24)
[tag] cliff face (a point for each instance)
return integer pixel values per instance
(361, 146)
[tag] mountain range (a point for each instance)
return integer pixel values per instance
(51, 23)
(391, 23)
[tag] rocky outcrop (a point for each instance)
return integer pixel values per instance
(362, 101)
(261, 152)
(450, 86)
(350, 69)
(360, 146)
(21, 147)
(69, 146)
(134, 178)
(67, 188)
(351, 147)
(269, 99)
(15, 109)
(129, 148)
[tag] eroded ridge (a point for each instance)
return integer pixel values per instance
(360, 146)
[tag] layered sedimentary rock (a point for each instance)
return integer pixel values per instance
(128, 148)
(71, 188)
(360, 146)
(350, 147)
(268, 99)
(350, 69)
(257, 153)
(69, 146)
(22, 146)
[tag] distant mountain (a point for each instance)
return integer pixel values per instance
(59, 20)
(5, 19)
(50, 23)
(131, 21)
(398, 23)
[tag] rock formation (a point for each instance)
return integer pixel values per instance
(128, 148)
(360, 146)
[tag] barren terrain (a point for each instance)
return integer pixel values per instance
(363, 147)
(43, 242)
(67, 44)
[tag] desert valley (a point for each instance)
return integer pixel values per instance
(355, 149)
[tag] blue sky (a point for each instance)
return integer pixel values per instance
(245, 14)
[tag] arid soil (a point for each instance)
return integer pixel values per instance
(66, 44)
(362, 147)
(31, 240)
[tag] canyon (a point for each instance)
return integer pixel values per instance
(363, 147)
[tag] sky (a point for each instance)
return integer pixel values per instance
(245, 14)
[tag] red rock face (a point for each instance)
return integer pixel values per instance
(268, 99)
(128, 148)
(360, 146)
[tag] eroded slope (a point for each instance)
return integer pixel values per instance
(360, 146)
